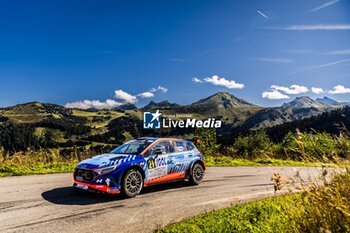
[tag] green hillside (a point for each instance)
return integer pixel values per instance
(43, 125)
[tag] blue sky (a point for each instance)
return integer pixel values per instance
(136, 51)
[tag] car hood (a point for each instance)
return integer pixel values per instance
(105, 160)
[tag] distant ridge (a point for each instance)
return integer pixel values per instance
(126, 107)
(305, 102)
(326, 100)
(162, 104)
(223, 99)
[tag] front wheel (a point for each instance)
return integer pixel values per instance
(132, 183)
(197, 174)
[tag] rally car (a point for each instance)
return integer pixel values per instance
(139, 163)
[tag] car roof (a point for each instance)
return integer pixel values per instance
(147, 138)
(156, 139)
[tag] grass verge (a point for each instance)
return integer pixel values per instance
(225, 161)
(268, 215)
(317, 209)
(41, 168)
(20, 167)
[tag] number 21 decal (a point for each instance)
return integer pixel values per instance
(151, 163)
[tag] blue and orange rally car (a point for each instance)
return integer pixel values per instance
(139, 163)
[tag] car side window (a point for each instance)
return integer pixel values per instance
(164, 146)
(180, 146)
(189, 146)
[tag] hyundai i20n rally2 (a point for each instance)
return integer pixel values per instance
(139, 163)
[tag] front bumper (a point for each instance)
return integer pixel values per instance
(95, 187)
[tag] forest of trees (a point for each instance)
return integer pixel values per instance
(333, 122)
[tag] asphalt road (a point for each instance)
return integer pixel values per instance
(48, 203)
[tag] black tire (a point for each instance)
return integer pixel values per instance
(197, 174)
(132, 183)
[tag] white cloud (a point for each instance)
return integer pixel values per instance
(339, 52)
(274, 95)
(162, 89)
(327, 4)
(273, 60)
(159, 88)
(339, 89)
(86, 104)
(120, 94)
(314, 27)
(317, 90)
(262, 14)
(292, 90)
(146, 94)
(125, 98)
(217, 81)
(197, 80)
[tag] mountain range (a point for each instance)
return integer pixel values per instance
(222, 105)
(67, 126)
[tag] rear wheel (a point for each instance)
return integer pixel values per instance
(132, 183)
(197, 174)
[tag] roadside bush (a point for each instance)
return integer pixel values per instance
(343, 146)
(326, 208)
(255, 145)
(290, 147)
(205, 141)
(311, 146)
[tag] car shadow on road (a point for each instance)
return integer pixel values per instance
(171, 186)
(72, 196)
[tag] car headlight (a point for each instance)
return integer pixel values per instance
(106, 169)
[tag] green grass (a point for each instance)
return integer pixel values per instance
(100, 114)
(37, 167)
(41, 168)
(318, 208)
(37, 162)
(268, 215)
(225, 161)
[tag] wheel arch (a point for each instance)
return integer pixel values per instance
(195, 162)
(132, 167)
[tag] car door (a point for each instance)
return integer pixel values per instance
(178, 160)
(157, 162)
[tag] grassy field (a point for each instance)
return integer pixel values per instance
(98, 119)
(46, 163)
(317, 209)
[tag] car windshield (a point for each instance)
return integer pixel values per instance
(132, 147)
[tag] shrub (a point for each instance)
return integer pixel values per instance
(205, 140)
(343, 146)
(311, 146)
(327, 208)
(254, 145)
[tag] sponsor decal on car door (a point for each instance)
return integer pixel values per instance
(157, 166)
